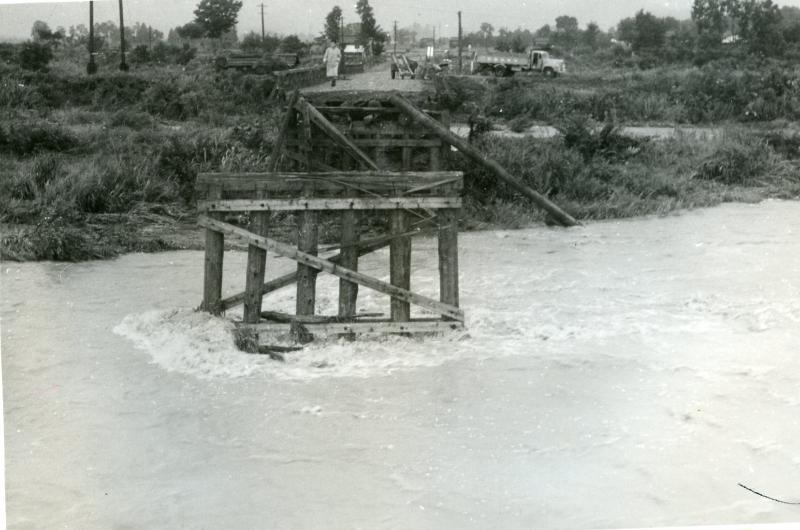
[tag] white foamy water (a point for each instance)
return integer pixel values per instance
(624, 373)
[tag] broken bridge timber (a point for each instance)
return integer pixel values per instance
(357, 164)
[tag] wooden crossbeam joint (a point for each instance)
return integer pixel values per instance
(332, 268)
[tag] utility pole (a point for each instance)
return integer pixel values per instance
(91, 68)
(395, 37)
(460, 65)
(122, 65)
(263, 39)
(150, 36)
(341, 48)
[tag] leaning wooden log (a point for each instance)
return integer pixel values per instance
(332, 268)
(465, 148)
(364, 248)
(334, 133)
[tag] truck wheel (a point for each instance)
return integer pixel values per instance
(500, 70)
(549, 72)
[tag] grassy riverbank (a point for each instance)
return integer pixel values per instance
(91, 168)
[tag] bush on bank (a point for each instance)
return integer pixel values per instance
(596, 173)
(749, 91)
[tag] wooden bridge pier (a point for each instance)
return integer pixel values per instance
(331, 174)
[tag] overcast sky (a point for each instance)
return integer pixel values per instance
(307, 16)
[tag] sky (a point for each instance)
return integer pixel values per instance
(306, 17)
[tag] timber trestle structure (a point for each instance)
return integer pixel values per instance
(367, 165)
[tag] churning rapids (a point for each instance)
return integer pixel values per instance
(626, 373)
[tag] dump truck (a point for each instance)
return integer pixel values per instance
(354, 59)
(506, 64)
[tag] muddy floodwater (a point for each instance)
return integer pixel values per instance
(626, 373)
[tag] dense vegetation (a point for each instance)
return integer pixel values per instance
(88, 164)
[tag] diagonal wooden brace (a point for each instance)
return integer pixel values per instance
(334, 133)
(332, 268)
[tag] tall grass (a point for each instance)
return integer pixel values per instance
(596, 173)
(724, 90)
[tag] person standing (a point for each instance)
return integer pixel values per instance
(331, 59)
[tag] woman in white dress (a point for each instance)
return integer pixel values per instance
(331, 59)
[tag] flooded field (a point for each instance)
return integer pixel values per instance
(625, 373)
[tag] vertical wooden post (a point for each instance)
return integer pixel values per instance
(400, 264)
(447, 221)
(256, 268)
(348, 291)
(445, 154)
(448, 256)
(307, 276)
(215, 251)
(400, 251)
(306, 137)
(406, 156)
(307, 233)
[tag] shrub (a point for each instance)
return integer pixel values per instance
(131, 118)
(175, 162)
(140, 54)
(50, 239)
(34, 56)
(741, 160)
(606, 142)
(25, 138)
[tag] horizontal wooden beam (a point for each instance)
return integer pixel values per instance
(361, 328)
(303, 204)
(350, 109)
(345, 176)
(374, 142)
(286, 318)
(384, 183)
(326, 266)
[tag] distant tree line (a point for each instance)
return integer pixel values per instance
(716, 28)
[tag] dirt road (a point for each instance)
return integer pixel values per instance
(376, 79)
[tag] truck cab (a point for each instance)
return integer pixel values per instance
(542, 62)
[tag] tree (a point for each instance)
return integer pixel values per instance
(760, 27)
(487, 30)
(292, 44)
(710, 18)
(41, 32)
(371, 33)
(567, 24)
(544, 32)
(217, 16)
(252, 42)
(650, 31)
(681, 42)
(190, 30)
(332, 21)
(567, 31)
(144, 34)
(590, 34)
(790, 24)
(35, 56)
